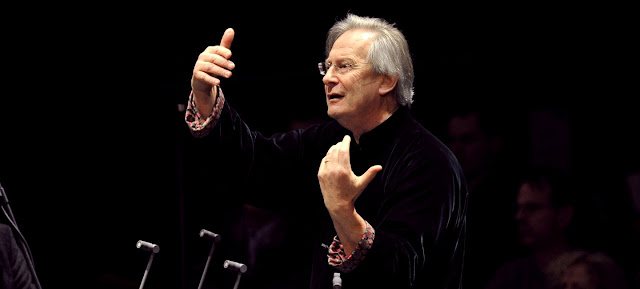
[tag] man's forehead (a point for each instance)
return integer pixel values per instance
(534, 194)
(354, 42)
(356, 37)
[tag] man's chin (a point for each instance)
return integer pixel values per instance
(332, 112)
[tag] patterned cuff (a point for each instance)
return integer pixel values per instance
(339, 259)
(199, 125)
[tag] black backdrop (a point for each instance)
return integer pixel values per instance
(95, 154)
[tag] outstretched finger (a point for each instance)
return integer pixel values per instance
(331, 153)
(344, 149)
(227, 38)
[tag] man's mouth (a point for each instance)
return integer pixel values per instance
(334, 96)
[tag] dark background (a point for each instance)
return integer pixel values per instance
(95, 155)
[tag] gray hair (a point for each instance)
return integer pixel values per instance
(388, 53)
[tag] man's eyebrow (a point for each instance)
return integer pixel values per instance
(342, 59)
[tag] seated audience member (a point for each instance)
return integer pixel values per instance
(476, 135)
(581, 269)
(545, 211)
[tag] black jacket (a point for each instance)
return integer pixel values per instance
(416, 204)
(13, 265)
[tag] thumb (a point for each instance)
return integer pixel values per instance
(227, 38)
(368, 176)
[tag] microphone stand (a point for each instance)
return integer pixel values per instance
(24, 247)
(153, 248)
(210, 236)
(235, 266)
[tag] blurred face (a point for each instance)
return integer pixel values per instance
(577, 277)
(472, 148)
(537, 219)
(351, 87)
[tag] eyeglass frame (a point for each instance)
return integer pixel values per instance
(325, 66)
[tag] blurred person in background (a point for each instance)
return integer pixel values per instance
(477, 135)
(545, 206)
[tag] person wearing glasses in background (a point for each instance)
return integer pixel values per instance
(380, 200)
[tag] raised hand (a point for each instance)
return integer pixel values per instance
(340, 186)
(212, 64)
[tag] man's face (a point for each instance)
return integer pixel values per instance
(351, 86)
(537, 218)
(471, 146)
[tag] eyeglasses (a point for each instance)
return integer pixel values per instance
(342, 68)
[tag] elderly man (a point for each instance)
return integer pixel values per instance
(380, 200)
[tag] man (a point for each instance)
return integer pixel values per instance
(379, 199)
(545, 212)
(477, 137)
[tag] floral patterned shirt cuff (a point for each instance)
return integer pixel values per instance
(199, 125)
(339, 259)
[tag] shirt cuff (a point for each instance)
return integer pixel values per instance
(199, 125)
(339, 259)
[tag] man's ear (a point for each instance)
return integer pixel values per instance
(387, 85)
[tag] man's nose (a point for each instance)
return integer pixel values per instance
(329, 77)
